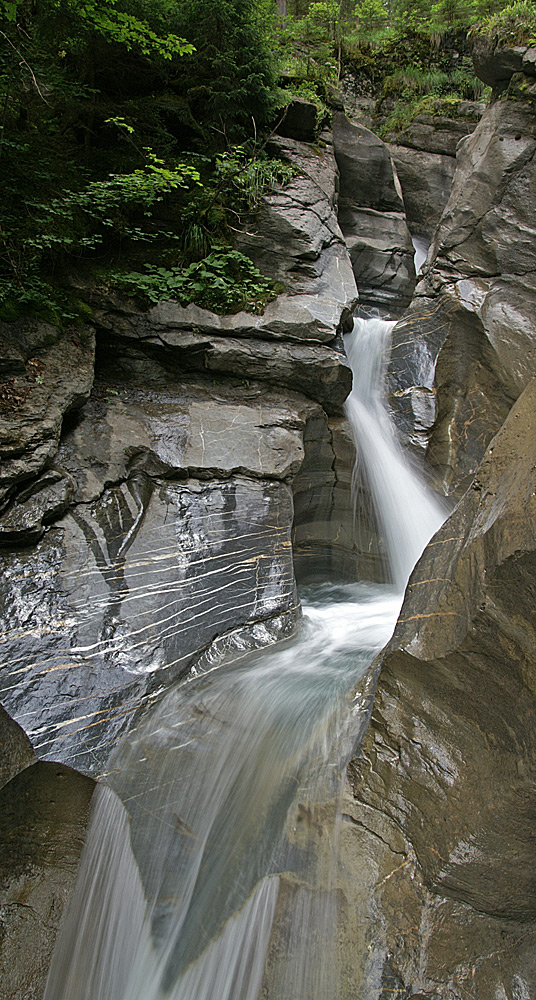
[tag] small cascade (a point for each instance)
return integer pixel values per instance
(207, 872)
(407, 511)
(421, 247)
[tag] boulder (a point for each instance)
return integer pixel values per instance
(367, 177)
(16, 751)
(382, 256)
(42, 502)
(496, 63)
(300, 120)
(371, 216)
(44, 812)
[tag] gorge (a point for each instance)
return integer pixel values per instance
(160, 503)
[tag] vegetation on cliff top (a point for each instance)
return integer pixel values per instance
(132, 131)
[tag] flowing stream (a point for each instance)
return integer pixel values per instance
(207, 871)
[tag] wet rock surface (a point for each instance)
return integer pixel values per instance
(443, 795)
(158, 530)
(179, 532)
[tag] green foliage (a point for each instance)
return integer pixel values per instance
(78, 222)
(229, 83)
(406, 110)
(410, 81)
(513, 25)
(88, 89)
(371, 15)
(244, 178)
(67, 22)
(225, 282)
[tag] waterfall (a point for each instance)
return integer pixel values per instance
(207, 871)
(421, 247)
(405, 508)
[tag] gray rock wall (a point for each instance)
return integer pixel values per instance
(372, 219)
(162, 527)
(442, 808)
(469, 339)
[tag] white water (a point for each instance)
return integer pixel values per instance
(421, 247)
(223, 885)
(407, 512)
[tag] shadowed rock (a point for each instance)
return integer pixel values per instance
(57, 378)
(44, 812)
(16, 751)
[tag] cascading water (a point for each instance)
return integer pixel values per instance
(207, 870)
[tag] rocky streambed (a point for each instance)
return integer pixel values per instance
(166, 476)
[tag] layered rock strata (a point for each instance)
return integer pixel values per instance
(162, 528)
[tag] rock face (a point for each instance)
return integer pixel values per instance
(468, 344)
(150, 516)
(426, 181)
(438, 854)
(182, 501)
(44, 812)
(295, 238)
(48, 374)
(165, 524)
(438, 132)
(299, 121)
(424, 154)
(16, 751)
(443, 794)
(495, 63)
(44, 809)
(371, 215)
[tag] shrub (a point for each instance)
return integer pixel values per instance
(225, 282)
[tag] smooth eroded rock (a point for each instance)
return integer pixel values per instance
(443, 794)
(470, 337)
(426, 180)
(44, 812)
(16, 751)
(371, 216)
